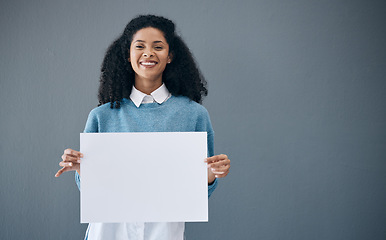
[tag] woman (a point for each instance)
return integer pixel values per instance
(149, 83)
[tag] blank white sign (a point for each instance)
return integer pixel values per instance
(144, 177)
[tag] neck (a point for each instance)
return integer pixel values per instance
(147, 85)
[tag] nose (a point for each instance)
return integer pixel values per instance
(148, 54)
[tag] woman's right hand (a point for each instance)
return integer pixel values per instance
(71, 161)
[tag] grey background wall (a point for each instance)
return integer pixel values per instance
(296, 96)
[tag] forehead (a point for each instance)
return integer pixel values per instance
(149, 34)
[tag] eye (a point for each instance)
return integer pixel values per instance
(138, 47)
(158, 48)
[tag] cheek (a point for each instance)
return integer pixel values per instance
(133, 59)
(131, 56)
(165, 57)
(133, 66)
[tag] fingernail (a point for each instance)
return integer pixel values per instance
(81, 155)
(70, 164)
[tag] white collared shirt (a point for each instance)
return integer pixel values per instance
(159, 96)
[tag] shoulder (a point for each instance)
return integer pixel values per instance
(101, 115)
(97, 113)
(189, 105)
(92, 124)
(100, 109)
(105, 109)
(195, 112)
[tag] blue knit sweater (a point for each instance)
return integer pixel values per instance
(177, 114)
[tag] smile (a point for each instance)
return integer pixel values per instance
(148, 63)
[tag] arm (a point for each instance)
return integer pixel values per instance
(218, 166)
(212, 187)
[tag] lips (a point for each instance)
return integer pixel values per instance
(148, 64)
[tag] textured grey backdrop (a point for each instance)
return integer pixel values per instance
(297, 97)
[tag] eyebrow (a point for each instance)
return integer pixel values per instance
(153, 42)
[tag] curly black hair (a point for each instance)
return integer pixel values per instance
(181, 76)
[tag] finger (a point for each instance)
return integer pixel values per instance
(216, 158)
(65, 164)
(72, 152)
(220, 170)
(75, 166)
(70, 158)
(219, 163)
(222, 175)
(212, 159)
(66, 169)
(58, 173)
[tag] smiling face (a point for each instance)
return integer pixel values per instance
(149, 54)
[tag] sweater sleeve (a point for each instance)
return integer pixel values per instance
(91, 126)
(212, 187)
(204, 124)
(77, 179)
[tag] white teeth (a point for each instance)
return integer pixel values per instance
(148, 63)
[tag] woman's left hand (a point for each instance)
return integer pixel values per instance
(218, 166)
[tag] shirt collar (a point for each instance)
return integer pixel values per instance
(159, 95)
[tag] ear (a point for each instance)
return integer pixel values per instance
(128, 59)
(170, 57)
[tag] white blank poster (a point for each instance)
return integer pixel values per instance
(144, 177)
